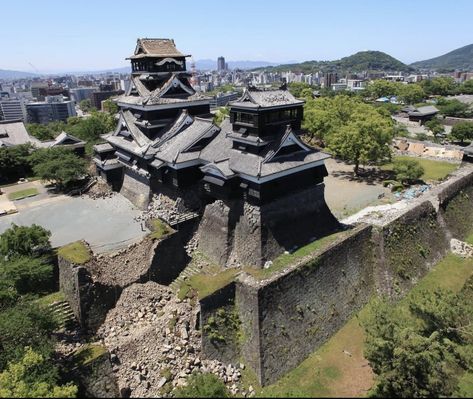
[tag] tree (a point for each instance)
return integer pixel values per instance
(420, 353)
(407, 170)
(441, 86)
(14, 162)
(411, 93)
(58, 165)
(296, 88)
(466, 87)
(110, 106)
(462, 131)
(435, 127)
(25, 324)
(26, 379)
(86, 105)
(220, 115)
(453, 108)
(204, 385)
(24, 241)
(382, 88)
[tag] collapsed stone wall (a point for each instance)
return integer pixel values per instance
(236, 232)
(94, 288)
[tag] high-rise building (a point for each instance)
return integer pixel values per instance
(12, 109)
(221, 64)
(82, 93)
(53, 109)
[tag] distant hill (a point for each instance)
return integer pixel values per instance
(361, 61)
(459, 59)
(9, 74)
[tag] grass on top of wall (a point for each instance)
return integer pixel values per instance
(338, 368)
(433, 170)
(48, 300)
(76, 252)
(88, 354)
(288, 259)
(159, 229)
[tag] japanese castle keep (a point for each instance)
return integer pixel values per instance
(259, 186)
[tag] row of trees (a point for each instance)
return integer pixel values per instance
(422, 352)
(57, 164)
(88, 129)
(27, 366)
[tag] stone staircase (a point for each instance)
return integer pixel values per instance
(63, 314)
(191, 270)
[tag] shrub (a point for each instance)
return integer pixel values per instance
(462, 131)
(204, 385)
(407, 170)
(24, 241)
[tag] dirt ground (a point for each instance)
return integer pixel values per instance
(346, 194)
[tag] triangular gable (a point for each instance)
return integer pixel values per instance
(183, 120)
(206, 135)
(288, 139)
(65, 138)
(213, 169)
(172, 84)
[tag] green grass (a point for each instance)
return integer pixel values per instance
(285, 260)
(433, 170)
(329, 372)
(88, 354)
(204, 284)
(159, 229)
(17, 195)
(76, 252)
(47, 300)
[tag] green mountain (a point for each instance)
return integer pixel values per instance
(459, 59)
(359, 62)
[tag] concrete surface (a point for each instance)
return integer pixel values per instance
(106, 224)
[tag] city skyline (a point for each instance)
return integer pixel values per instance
(61, 37)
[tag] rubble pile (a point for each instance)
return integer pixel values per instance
(154, 342)
(100, 190)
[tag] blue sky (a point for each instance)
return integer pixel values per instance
(58, 35)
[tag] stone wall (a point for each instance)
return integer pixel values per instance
(407, 248)
(285, 318)
(304, 307)
(236, 232)
(136, 188)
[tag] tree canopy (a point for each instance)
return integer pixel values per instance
(86, 105)
(14, 162)
(26, 379)
(421, 354)
(24, 240)
(407, 170)
(352, 130)
(442, 86)
(58, 165)
(462, 131)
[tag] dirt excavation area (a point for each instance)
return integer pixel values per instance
(346, 195)
(154, 342)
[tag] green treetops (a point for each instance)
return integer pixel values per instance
(462, 131)
(24, 240)
(24, 379)
(352, 130)
(407, 170)
(58, 165)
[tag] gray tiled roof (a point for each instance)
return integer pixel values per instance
(265, 99)
(14, 133)
(424, 111)
(255, 165)
(147, 47)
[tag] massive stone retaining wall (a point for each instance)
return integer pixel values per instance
(285, 318)
(236, 232)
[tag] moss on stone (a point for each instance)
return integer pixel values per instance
(76, 252)
(204, 284)
(88, 354)
(159, 229)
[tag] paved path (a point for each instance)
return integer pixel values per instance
(106, 224)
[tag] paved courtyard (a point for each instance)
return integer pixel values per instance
(106, 224)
